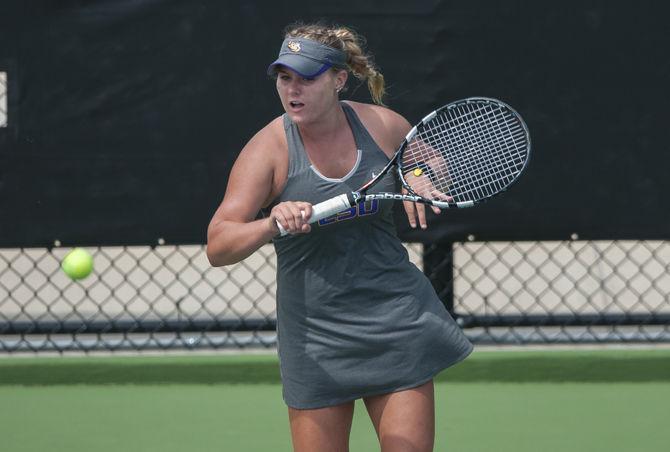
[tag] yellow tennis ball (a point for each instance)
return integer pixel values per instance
(78, 264)
(418, 172)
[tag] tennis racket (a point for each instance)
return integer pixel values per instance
(458, 156)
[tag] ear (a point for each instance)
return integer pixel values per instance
(341, 79)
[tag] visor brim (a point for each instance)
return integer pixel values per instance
(305, 67)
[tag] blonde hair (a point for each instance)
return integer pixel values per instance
(347, 40)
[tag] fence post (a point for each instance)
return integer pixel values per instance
(438, 266)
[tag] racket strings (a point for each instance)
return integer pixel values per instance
(469, 152)
(489, 144)
(428, 145)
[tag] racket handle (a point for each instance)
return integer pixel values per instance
(325, 209)
(331, 207)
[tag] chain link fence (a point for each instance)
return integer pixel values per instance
(560, 292)
(169, 297)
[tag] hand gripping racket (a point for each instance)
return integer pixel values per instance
(458, 156)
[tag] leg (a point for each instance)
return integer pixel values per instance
(322, 429)
(404, 420)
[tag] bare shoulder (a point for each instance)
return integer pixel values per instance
(256, 176)
(266, 142)
(387, 127)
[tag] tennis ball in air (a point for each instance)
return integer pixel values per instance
(78, 264)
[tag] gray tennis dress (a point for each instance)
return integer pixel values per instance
(354, 317)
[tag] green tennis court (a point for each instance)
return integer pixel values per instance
(608, 400)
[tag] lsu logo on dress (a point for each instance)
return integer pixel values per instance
(362, 209)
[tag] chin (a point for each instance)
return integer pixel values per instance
(300, 118)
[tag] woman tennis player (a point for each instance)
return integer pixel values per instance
(355, 319)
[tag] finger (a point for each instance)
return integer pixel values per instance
(421, 214)
(410, 210)
(296, 217)
(421, 184)
(306, 209)
(431, 195)
(305, 214)
(279, 220)
(440, 196)
(281, 231)
(436, 194)
(285, 214)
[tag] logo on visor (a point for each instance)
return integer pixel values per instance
(293, 46)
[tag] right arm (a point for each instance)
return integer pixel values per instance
(234, 233)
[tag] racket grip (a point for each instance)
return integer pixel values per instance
(331, 207)
(325, 209)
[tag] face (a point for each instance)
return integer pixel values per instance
(308, 100)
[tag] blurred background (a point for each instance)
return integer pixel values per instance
(120, 122)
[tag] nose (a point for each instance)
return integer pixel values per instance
(294, 86)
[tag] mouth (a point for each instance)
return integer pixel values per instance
(296, 105)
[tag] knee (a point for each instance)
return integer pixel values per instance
(395, 442)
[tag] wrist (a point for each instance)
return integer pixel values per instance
(272, 227)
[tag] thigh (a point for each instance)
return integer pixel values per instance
(404, 420)
(322, 429)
